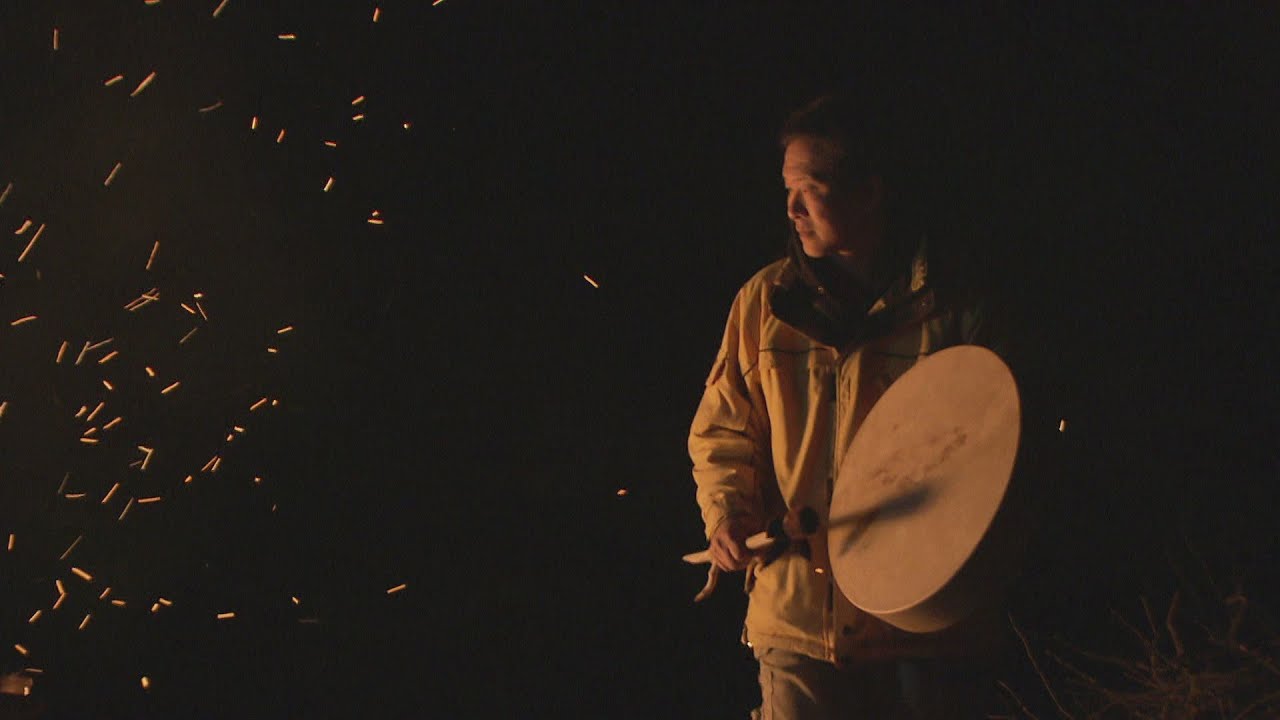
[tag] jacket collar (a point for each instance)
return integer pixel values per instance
(799, 301)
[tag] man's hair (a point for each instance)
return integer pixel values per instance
(851, 131)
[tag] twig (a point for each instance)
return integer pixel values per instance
(1238, 604)
(1256, 704)
(1030, 655)
(1018, 700)
(1168, 623)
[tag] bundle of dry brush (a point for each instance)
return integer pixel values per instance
(1180, 667)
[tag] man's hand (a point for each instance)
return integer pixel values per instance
(728, 544)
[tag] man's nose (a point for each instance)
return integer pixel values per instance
(795, 206)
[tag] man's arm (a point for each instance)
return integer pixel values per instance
(727, 443)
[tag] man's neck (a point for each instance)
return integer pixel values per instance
(861, 268)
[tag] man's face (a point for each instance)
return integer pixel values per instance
(829, 217)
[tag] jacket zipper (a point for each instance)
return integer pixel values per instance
(829, 622)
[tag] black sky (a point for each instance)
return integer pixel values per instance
(460, 406)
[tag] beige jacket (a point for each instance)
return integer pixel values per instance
(777, 408)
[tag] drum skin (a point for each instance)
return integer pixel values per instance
(914, 530)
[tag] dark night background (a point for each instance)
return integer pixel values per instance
(459, 407)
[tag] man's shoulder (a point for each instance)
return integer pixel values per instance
(759, 285)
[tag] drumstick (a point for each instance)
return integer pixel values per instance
(796, 524)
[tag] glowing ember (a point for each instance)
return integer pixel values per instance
(111, 175)
(71, 547)
(31, 244)
(143, 85)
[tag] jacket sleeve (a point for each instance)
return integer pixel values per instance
(728, 440)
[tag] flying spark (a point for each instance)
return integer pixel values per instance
(31, 244)
(71, 547)
(143, 85)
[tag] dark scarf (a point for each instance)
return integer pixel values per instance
(824, 301)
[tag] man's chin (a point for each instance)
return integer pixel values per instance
(814, 250)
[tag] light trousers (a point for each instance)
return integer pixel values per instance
(798, 687)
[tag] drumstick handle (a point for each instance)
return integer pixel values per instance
(758, 541)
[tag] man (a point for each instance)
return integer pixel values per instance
(812, 341)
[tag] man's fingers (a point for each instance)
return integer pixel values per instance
(728, 555)
(736, 550)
